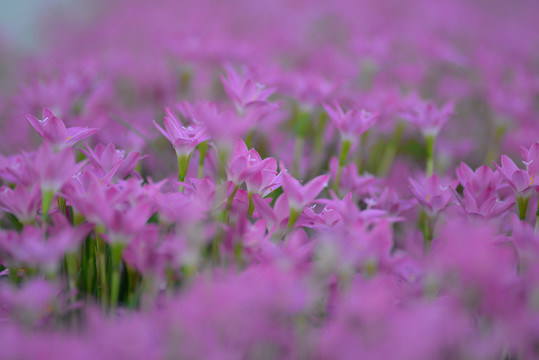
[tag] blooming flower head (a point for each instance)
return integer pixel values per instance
(531, 159)
(426, 116)
(432, 193)
(353, 123)
(183, 138)
(243, 91)
(521, 181)
(104, 159)
(259, 175)
(299, 195)
(54, 131)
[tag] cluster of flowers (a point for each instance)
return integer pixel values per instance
(344, 185)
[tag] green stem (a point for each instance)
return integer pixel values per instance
(251, 204)
(183, 165)
(101, 259)
(537, 217)
(361, 150)
(522, 206)
(116, 263)
(426, 224)
(429, 146)
(46, 199)
(391, 151)
(293, 217)
(202, 150)
(345, 149)
(72, 266)
(229, 204)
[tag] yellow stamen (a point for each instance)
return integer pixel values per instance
(531, 180)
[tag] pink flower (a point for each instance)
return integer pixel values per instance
(259, 175)
(183, 138)
(243, 91)
(531, 159)
(104, 159)
(54, 131)
(520, 180)
(431, 193)
(54, 169)
(21, 202)
(300, 196)
(427, 116)
(480, 191)
(353, 123)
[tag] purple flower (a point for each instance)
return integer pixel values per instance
(183, 138)
(432, 193)
(351, 124)
(259, 175)
(531, 160)
(521, 181)
(427, 116)
(300, 196)
(106, 159)
(54, 131)
(244, 92)
(21, 202)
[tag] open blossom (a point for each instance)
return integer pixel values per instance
(244, 92)
(432, 193)
(352, 123)
(299, 195)
(521, 181)
(480, 191)
(531, 159)
(259, 175)
(33, 247)
(21, 202)
(104, 159)
(184, 138)
(54, 131)
(54, 169)
(426, 116)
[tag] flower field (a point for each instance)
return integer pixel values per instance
(272, 179)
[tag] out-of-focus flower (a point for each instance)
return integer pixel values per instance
(183, 138)
(244, 92)
(520, 180)
(54, 131)
(21, 202)
(432, 193)
(351, 124)
(426, 116)
(104, 159)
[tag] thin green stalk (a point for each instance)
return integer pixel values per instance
(426, 224)
(361, 151)
(293, 217)
(101, 265)
(72, 267)
(391, 151)
(537, 217)
(345, 149)
(429, 146)
(116, 263)
(46, 199)
(251, 204)
(183, 165)
(202, 151)
(229, 204)
(522, 206)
